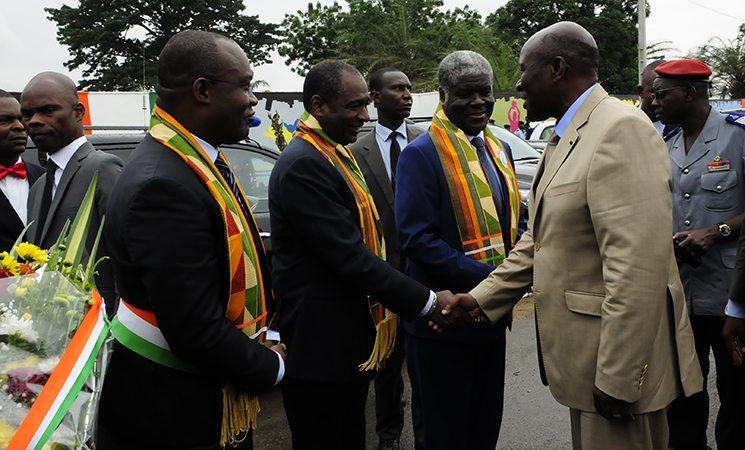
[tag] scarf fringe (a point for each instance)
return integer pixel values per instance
(385, 341)
(239, 411)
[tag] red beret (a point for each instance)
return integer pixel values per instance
(688, 68)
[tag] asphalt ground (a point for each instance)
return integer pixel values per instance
(532, 420)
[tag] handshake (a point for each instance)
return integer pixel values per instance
(452, 312)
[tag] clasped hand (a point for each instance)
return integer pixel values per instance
(453, 312)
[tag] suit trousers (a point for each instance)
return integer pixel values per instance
(461, 390)
(591, 431)
(325, 415)
(689, 416)
(389, 391)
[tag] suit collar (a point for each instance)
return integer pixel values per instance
(62, 156)
(374, 159)
(700, 147)
(554, 156)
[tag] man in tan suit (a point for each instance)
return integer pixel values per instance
(615, 343)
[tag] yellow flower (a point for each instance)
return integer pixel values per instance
(26, 316)
(28, 281)
(31, 253)
(9, 263)
(21, 291)
(6, 433)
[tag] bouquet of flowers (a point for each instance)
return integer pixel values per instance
(52, 325)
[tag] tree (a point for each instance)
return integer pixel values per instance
(103, 37)
(611, 22)
(411, 35)
(727, 61)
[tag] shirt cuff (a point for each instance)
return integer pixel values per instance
(430, 302)
(273, 335)
(735, 309)
(281, 371)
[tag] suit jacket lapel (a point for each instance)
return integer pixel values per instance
(565, 145)
(72, 167)
(375, 160)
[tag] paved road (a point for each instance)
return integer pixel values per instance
(533, 420)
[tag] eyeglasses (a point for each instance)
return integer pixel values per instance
(659, 94)
(247, 88)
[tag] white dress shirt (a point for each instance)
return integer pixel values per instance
(382, 137)
(16, 191)
(61, 157)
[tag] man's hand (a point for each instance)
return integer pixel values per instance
(277, 347)
(461, 308)
(698, 242)
(611, 408)
(451, 321)
(734, 338)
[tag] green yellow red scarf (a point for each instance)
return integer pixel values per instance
(473, 204)
(247, 302)
(372, 232)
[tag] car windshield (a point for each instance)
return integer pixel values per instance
(521, 150)
(252, 171)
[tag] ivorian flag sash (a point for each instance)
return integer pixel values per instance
(66, 381)
(372, 231)
(473, 203)
(247, 301)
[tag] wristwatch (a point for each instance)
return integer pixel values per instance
(724, 229)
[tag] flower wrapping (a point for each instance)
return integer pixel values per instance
(50, 336)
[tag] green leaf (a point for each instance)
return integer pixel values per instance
(18, 241)
(92, 259)
(79, 229)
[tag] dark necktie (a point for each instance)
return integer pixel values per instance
(395, 153)
(46, 199)
(490, 170)
(18, 170)
(226, 173)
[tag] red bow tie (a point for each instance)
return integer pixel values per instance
(18, 171)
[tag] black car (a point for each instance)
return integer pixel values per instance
(251, 162)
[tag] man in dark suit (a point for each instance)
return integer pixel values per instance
(327, 265)
(445, 253)
(173, 252)
(53, 117)
(377, 155)
(16, 175)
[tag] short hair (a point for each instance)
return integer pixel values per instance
(459, 64)
(651, 66)
(63, 82)
(187, 56)
(5, 94)
(324, 80)
(575, 51)
(376, 79)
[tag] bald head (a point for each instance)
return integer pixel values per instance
(569, 41)
(645, 89)
(52, 112)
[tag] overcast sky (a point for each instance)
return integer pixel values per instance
(28, 43)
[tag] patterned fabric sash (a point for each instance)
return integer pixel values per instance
(247, 302)
(473, 204)
(372, 232)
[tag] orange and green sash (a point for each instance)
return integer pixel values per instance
(372, 232)
(473, 203)
(137, 329)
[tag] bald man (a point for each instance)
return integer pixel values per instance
(614, 340)
(53, 117)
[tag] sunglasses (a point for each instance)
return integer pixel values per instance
(659, 94)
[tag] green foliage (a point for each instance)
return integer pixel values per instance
(410, 35)
(279, 131)
(727, 61)
(611, 22)
(102, 36)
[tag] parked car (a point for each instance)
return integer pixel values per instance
(541, 133)
(251, 162)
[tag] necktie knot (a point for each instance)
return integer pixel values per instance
(18, 170)
(478, 143)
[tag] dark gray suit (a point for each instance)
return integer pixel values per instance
(388, 383)
(72, 187)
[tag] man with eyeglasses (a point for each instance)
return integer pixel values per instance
(708, 203)
(190, 266)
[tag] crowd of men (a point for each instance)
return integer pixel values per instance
(629, 252)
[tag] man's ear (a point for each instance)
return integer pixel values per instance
(558, 68)
(639, 90)
(443, 96)
(79, 112)
(317, 104)
(691, 93)
(200, 89)
(375, 97)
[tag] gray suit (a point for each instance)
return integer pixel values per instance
(388, 383)
(702, 199)
(72, 187)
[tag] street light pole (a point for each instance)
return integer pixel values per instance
(642, 19)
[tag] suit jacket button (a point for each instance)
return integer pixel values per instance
(536, 246)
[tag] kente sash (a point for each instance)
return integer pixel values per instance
(247, 301)
(473, 203)
(372, 232)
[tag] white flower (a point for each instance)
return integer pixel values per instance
(48, 365)
(10, 325)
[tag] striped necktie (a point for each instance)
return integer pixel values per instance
(226, 173)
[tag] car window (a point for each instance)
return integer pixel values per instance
(521, 150)
(546, 133)
(252, 170)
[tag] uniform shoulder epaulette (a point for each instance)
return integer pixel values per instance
(672, 133)
(737, 118)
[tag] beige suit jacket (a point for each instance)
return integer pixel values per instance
(598, 252)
